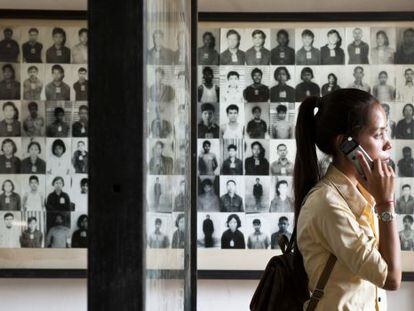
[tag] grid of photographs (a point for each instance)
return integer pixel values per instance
(168, 134)
(43, 137)
(250, 85)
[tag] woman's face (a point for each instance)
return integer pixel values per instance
(282, 76)
(256, 151)
(233, 224)
(374, 137)
(8, 187)
(306, 76)
(58, 150)
(408, 112)
(333, 38)
(307, 41)
(58, 184)
(380, 39)
(33, 150)
(232, 41)
(9, 112)
(331, 79)
(8, 148)
(7, 73)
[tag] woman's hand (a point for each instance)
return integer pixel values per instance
(380, 180)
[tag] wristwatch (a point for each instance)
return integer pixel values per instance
(386, 216)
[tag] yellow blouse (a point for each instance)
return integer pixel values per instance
(338, 218)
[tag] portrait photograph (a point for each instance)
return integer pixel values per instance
(233, 231)
(208, 193)
(58, 82)
(79, 82)
(208, 46)
(282, 43)
(10, 196)
(257, 84)
(10, 120)
(232, 191)
(358, 77)
(9, 44)
(404, 47)
(282, 84)
(232, 155)
(405, 83)
(232, 84)
(58, 156)
(208, 90)
(402, 120)
(79, 230)
(257, 231)
(256, 193)
(10, 82)
(404, 196)
(79, 192)
(331, 79)
(159, 194)
(280, 224)
(161, 89)
(160, 156)
(257, 46)
(159, 230)
(232, 120)
(282, 120)
(282, 156)
(308, 82)
(383, 83)
(256, 120)
(281, 194)
(357, 45)
(307, 45)
(383, 45)
(231, 46)
(208, 230)
(34, 155)
(404, 160)
(33, 116)
(256, 157)
(161, 43)
(406, 231)
(10, 155)
(80, 155)
(208, 159)
(33, 193)
(10, 229)
(33, 81)
(33, 43)
(33, 229)
(332, 46)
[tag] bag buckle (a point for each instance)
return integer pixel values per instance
(317, 294)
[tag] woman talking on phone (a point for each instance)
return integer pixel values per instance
(349, 211)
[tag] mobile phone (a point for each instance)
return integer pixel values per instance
(350, 147)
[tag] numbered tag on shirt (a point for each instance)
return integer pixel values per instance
(234, 58)
(282, 54)
(231, 243)
(308, 93)
(59, 52)
(8, 45)
(58, 90)
(332, 53)
(8, 164)
(330, 89)
(83, 88)
(258, 55)
(256, 92)
(256, 162)
(7, 200)
(205, 56)
(282, 94)
(8, 86)
(157, 54)
(83, 234)
(83, 131)
(60, 128)
(283, 171)
(232, 165)
(308, 55)
(80, 158)
(34, 168)
(32, 86)
(357, 51)
(62, 200)
(32, 51)
(209, 135)
(31, 236)
(408, 131)
(380, 53)
(9, 128)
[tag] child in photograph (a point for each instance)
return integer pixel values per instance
(9, 199)
(283, 225)
(256, 164)
(80, 50)
(9, 86)
(33, 164)
(57, 163)
(80, 158)
(232, 165)
(256, 128)
(282, 202)
(308, 54)
(57, 89)
(282, 92)
(282, 54)
(207, 161)
(405, 127)
(382, 53)
(407, 234)
(9, 163)
(33, 200)
(58, 52)
(282, 128)
(208, 92)
(256, 92)
(258, 54)
(233, 55)
(59, 127)
(34, 124)
(331, 86)
(58, 200)
(233, 238)
(80, 127)
(32, 86)
(207, 53)
(332, 53)
(232, 129)
(81, 86)
(358, 50)
(80, 236)
(32, 48)
(306, 87)
(282, 166)
(358, 80)
(207, 201)
(231, 201)
(258, 239)
(10, 125)
(383, 91)
(233, 92)
(9, 48)
(31, 237)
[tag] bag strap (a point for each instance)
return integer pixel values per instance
(317, 294)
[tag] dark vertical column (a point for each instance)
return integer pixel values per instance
(116, 254)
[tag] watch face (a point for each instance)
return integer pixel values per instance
(386, 216)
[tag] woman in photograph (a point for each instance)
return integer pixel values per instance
(383, 91)
(282, 92)
(80, 158)
(208, 200)
(308, 54)
(306, 87)
(9, 200)
(233, 237)
(332, 84)
(405, 51)
(382, 53)
(207, 53)
(281, 203)
(332, 53)
(233, 55)
(58, 200)
(405, 127)
(9, 163)
(257, 164)
(58, 52)
(10, 125)
(58, 164)
(33, 164)
(80, 236)
(59, 127)
(9, 86)
(282, 54)
(178, 238)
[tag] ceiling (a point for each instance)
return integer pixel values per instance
(238, 5)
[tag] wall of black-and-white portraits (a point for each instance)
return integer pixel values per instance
(251, 81)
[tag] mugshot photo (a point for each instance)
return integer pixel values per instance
(208, 230)
(58, 82)
(332, 46)
(33, 81)
(58, 156)
(232, 121)
(232, 190)
(406, 231)
(58, 232)
(404, 196)
(10, 81)
(256, 193)
(256, 120)
(280, 224)
(159, 194)
(383, 83)
(232, 84)
(282, 85)
(208, 46)
(233, 235)
(79, 192)
(257, 46)
(282, 43)
(357, 45)
(307, 46)
(358, 77)
(256, 157)
(33, 116)
(392, 114)
(282, 156)
(331, 79)
(230, 46)
(10, 229)
(34, 155)
(308, 82)
(405, 83)
(10, 196)
(160, 157)
(79, 230)
(282, 120)
(10, 119)
(232, 155)
(257, 84)
(158, 230)
(161, 44)
(79, 75)
(161, 85)
(80, 155)
(404, 160)
(257, 231)
(33, 43)
(9, 44)
(281, 194)
(404, 52)
(33, 229)
(80, 119)
(160, 121)
(208, 118)
(383, 45)
(208, 90)
(402, 118)
(180, 194)
(10, 155)
(208, 199)
(58, 190)
(208, 160)
(33, 193)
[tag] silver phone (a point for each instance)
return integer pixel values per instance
(349, 147)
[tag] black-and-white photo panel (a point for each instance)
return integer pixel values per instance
(257, 84)
(282, 42)
(282, 84)
(208, 160)
(256, 157)
(79, 193)
(10, 86)
(406, 231)
(232, 228)
(9, 44)
(232, 190)
(58, 155)
(232, 84)
(34, 155)
(33, 81)
(232, 155)
(33, 192)
(282, 120)
(208, 90)
(383, 81)
(231, 46)
(10, 120)
(307, 46)
(357, 45)
(208, 230)
(256, 193)
(208, 199)
(208, 119)
(33, 229)
(208, 46)
(404, 51)
(404, 160)
(10, 155)
(10, 196)
(308, 82)
(256, 120)
(158, 230)
(161, 91)
(281, 194)
(232, 121)
(332, 46)
(402, 118)
(331, 79)
(404, 196)
(383, 45)
(257, 231)
(10, 229)
(405, 83)
(160, 158)
(257, 46)
(358, 77)
(282, 156)
(159, 194)
(280, 224)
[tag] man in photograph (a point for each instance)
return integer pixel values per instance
(207, 128)
(406, 164)
(232, 165)
(282, 202)
(160, 128)
(31, 237)
(9, 236)
(157, 193)
(281, 166)
(207, 200)
(80, 50)
(80, 127)
(157, 239)
(208, 92)
(160, 92)
(9, 86)
(405, 51)
(406, 91)
(57, 89)
(358, 50)
(308, 54)
(283, 225)
(32, 86)
(282, 54)
(208, 230)
(233, 55)
(258, 54)
(233, 91)
(231, 201)
(405, 203)
(59, 127)
(282, 128)
(80, 158)
(32, 49)
(383, 91)
(160, 164)
(81, 86)
(358, 83)
(232, 129)
(258, 239)
(256, 92)
(58, 235)
(180, 201)
(207, 53)
(282, 92)
(207, 161)
(257, 194)
(9, 48)
(256, 128)
(407, 234)
(180, 54)
(159, 54)
(34, 125)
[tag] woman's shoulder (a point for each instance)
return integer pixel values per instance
(321, 197)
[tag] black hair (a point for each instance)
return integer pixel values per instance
(158, 221)
(232, 107)
(58, 142)
(8, 215)
(383, 72)
(4, 182)
(82, 69)
(409, 218)
(33, 104)
(233, 73)
(58, 178)
(33, 177)
(34, 143)
(281, 145)
(255, 70)
(16, 111)
(81, 218)
(32, 67)
(207, 68)
(59, 68)
(206, 182)
(160, 70)
(30, 219)
(83, 182)
(278, 184)
(334, 76)
(278, 70)
(33, 29)
(206, 142)
(309, 33)
(58, 30)
(256, 108)
(406, 149)
(406, 186)
(83, 107)
(283, 218)
(306, 70)
(231, 146)
(236, 217)
(281, 108)
(229, 181)
(256, 221)
(10, 141)
(207, 106)
(158, 142)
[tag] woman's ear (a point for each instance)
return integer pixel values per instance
(338, 142)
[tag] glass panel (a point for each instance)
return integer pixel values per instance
(167, 113)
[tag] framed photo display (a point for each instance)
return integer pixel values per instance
(44, 144)
(253, 74)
